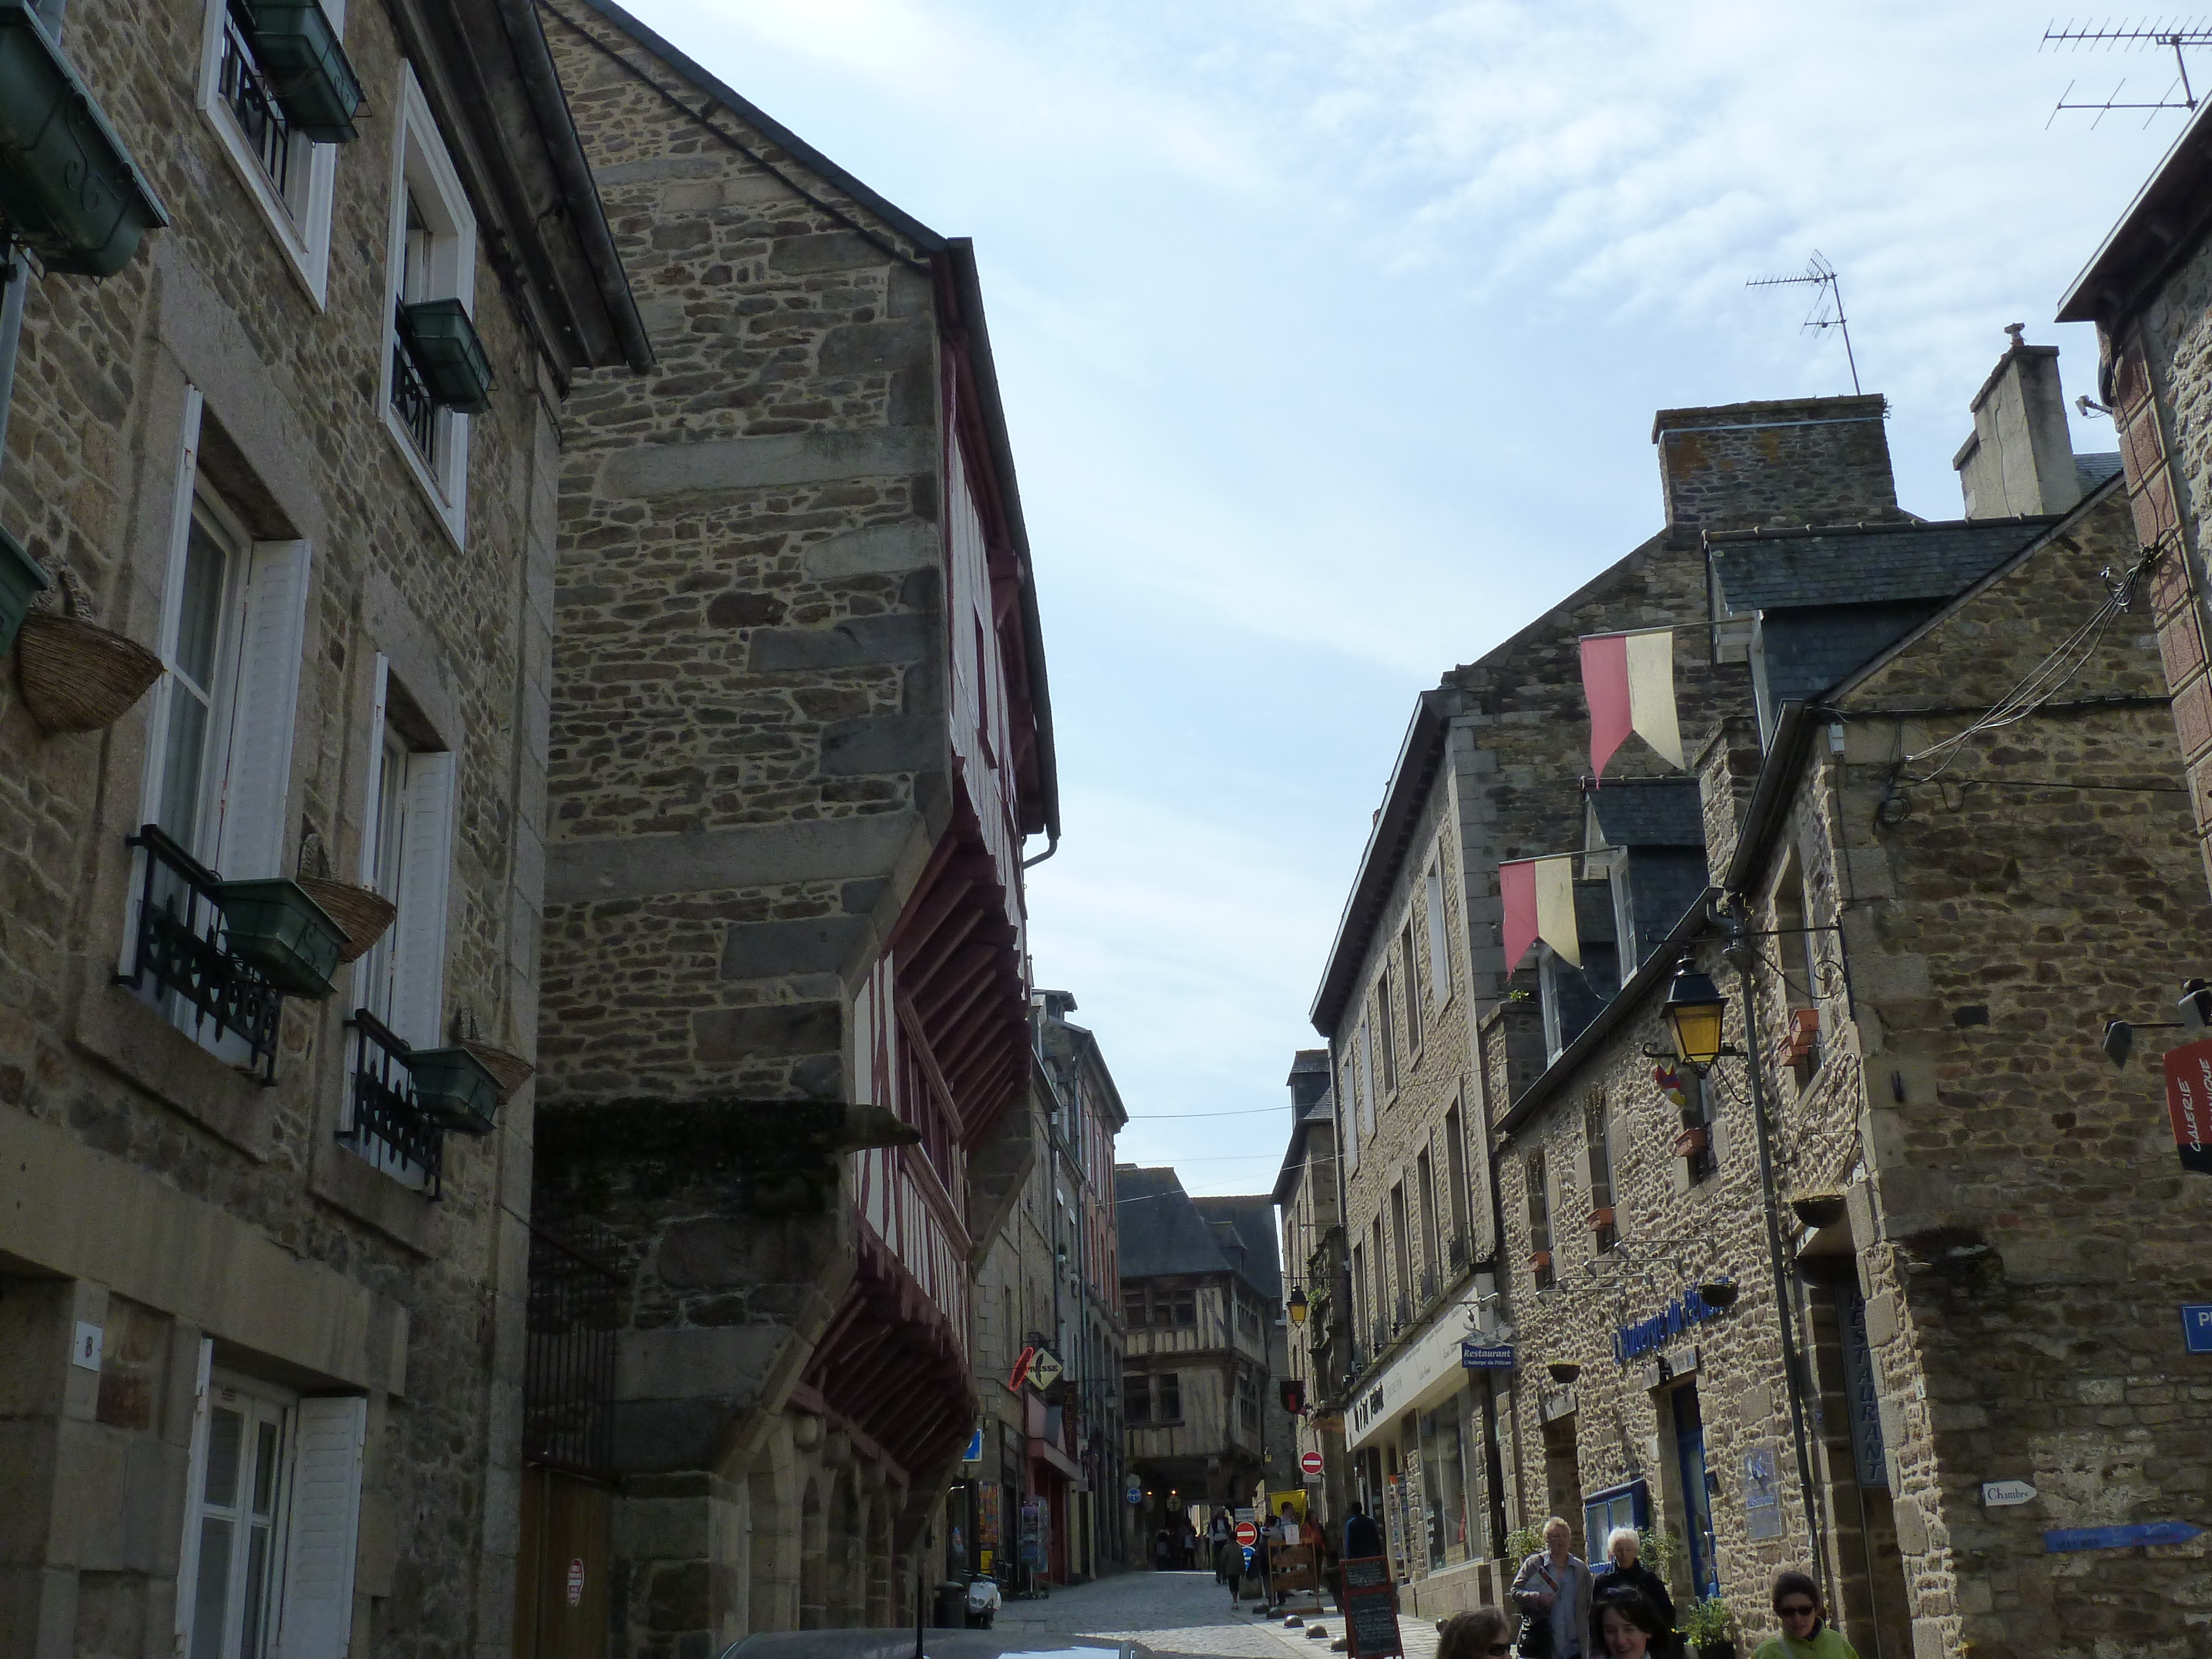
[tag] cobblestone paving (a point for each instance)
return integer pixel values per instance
(1184, 1613)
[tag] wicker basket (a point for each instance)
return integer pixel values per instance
(363, 912)
(78, 676)
(509, 1071)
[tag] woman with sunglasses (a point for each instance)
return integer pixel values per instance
(1481, 1634)
(1805, 1634)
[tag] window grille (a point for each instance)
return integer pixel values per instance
(180, 944)
(569, 1358)
(386, 1125)
(246, 89)
(411, 395)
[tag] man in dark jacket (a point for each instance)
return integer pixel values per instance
(1362, 1539)
(1623, 1572)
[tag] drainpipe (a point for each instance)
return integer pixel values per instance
(1738, 954)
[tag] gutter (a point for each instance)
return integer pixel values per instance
(587, 215)
(1656, 968)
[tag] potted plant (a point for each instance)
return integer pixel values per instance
(274, 926)
(1600, 1218)
(454, 1090)
(76, 675)
(314, 81)
(67, 185)
(445, 347)
(361, 913)
(1709, 1628)
(1690, 1142)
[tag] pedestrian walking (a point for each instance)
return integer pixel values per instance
(1628, 1627)
(1362, 1539)
(1163, 1544)
(1623, 1573)
(1484, 1634)
(1218, 1532)
(1806, 1632)
(1553, 1590)
(1228, 1568)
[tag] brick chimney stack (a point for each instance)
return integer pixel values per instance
(1801, 460)
(2020, 459)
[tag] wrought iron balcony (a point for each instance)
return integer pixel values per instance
(260, 118)
(181, 946)
(410, 396)
(387, 1124)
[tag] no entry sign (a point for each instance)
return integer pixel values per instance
(1310, 1462)
(2189, 1101)
(1247, 1533)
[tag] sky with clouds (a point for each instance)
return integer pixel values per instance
(1330, 333)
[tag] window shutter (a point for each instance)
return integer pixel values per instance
(317, 1617)
(271, 640)
(188, 1558)
(372, 803)
(1439, 951)
(425, 856)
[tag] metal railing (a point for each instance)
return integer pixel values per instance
(411, 395)
(569, 1357)
(385, 1125)
(180, 944)
(1429, 1285)
(246, 89)
(1456, 1249)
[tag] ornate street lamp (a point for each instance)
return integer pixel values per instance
(1296, 1305)
(1693, 1010)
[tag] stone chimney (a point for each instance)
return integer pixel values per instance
(1804, 460)
(2020, 459)
(1309, 1078)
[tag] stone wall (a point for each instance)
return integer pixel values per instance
(1807, 460)
(110, 1111)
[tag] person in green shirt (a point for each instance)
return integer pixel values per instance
(1806, 1634)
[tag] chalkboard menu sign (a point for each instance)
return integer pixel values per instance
(1371, 1614)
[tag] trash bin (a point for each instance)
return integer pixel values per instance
(952, 1606)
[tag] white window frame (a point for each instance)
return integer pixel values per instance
(410, 958)
(420, 164)
(256, 698)
(301, 223)
(315, 1534)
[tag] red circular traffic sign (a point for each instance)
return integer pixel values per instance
(1247, 1533)
(1310, 1462)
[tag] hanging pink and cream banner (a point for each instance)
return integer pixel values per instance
(1539, 895)
(1629, 679)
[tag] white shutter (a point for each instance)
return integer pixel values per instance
(426, 853)
(1439, 951)
(252, 839)
(1347, 1117)
(372, 803)
(188, 1558)
(316, 1619)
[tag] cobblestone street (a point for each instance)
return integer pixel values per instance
(1184, 1613)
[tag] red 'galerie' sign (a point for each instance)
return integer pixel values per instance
(2189, 1101)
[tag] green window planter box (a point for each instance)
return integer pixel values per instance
(23, 579)
(274, 926)
(454, 1090)
(443, 343)
(67, 185)
(307, 68)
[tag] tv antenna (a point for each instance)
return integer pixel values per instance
(2174, 35)
(1827, 311)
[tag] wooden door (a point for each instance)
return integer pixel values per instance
(560, 1571)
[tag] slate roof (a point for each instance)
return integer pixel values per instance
(1805, 651)
(2090, 470)
(1253, 1218)
(1162, 1234)
(1662, 813)
(1862, 564)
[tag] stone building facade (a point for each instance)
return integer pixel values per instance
(262, 1318)
(1039, 1501)
(800, 737)
(1417, 964)
(1319, 1302)
(1920, 917)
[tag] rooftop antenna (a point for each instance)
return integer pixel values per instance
(1827, 311)
(2173, 35)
